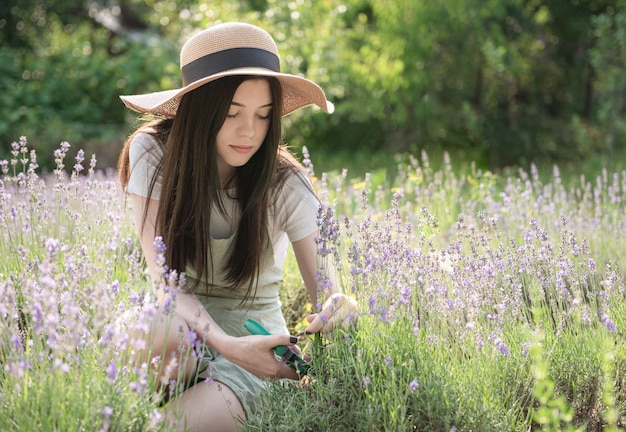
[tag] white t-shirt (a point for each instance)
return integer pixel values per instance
(293, 217)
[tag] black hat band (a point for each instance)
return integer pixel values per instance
(233, 58)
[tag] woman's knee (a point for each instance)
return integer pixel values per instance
(206, 406)
(168, 331)
(169, 347)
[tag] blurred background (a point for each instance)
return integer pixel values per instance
(500, 82)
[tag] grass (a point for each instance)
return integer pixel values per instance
(487, 302)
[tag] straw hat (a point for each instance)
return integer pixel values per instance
(230, 49)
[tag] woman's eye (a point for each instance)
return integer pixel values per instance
(259, 116)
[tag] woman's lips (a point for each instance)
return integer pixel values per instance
(241, 149)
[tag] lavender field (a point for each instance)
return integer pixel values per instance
(487, 303)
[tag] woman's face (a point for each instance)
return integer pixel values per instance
(245, 127)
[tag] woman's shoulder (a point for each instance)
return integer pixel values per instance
(144, 139)
(295, 209)
(296, 179)
(144, 144)
(296, 190)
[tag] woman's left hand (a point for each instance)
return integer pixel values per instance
(339, 310)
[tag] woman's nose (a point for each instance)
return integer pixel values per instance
(246, 128)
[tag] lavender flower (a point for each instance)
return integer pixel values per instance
(608, 323)
(107, 412)
(112, 371)
(388, 362)
(80, 157)
(366, 382)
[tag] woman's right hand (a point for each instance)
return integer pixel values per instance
(256, 355)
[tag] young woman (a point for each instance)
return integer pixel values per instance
(210, 176)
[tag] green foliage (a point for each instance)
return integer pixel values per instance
(552, 411)
(64, 85)
(510, 81)
(51, 398)
(382, 377)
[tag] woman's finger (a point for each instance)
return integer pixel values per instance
(339, 309)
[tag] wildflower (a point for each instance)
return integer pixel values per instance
(92, 163)
(425, 159)
(328, 240)
(366, 382)
(17, 343)
(80, 157)
(501, 347)
(306, 161)
(140, 385)
(388, 362)
(134, 297)
(160, 248)
(156, 416)
(585, 316)
(52, 246)
(479, 342)
(413, 385)
(107, 411)
(171, 369)
(592, 265)
(61, 365)
(372, 302)
(15, 149)
(608, 323)
(525, 346)
(405, 295)
(112, 371)
(59, 155)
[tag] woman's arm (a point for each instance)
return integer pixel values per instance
(310, 264)
(253, 353)
(338, 309)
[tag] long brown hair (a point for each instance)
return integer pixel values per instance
(191, 185)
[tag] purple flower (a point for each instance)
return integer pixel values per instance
(115, 286)
(413, 385)
(191, 338)
(388, 362)
(108, 335)
(405, 295)
(112, 371)
(366, 382)
(156, 416)
(107, 412)
(608, 323)
(159, 245)
(501, 347)
(61, 365)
